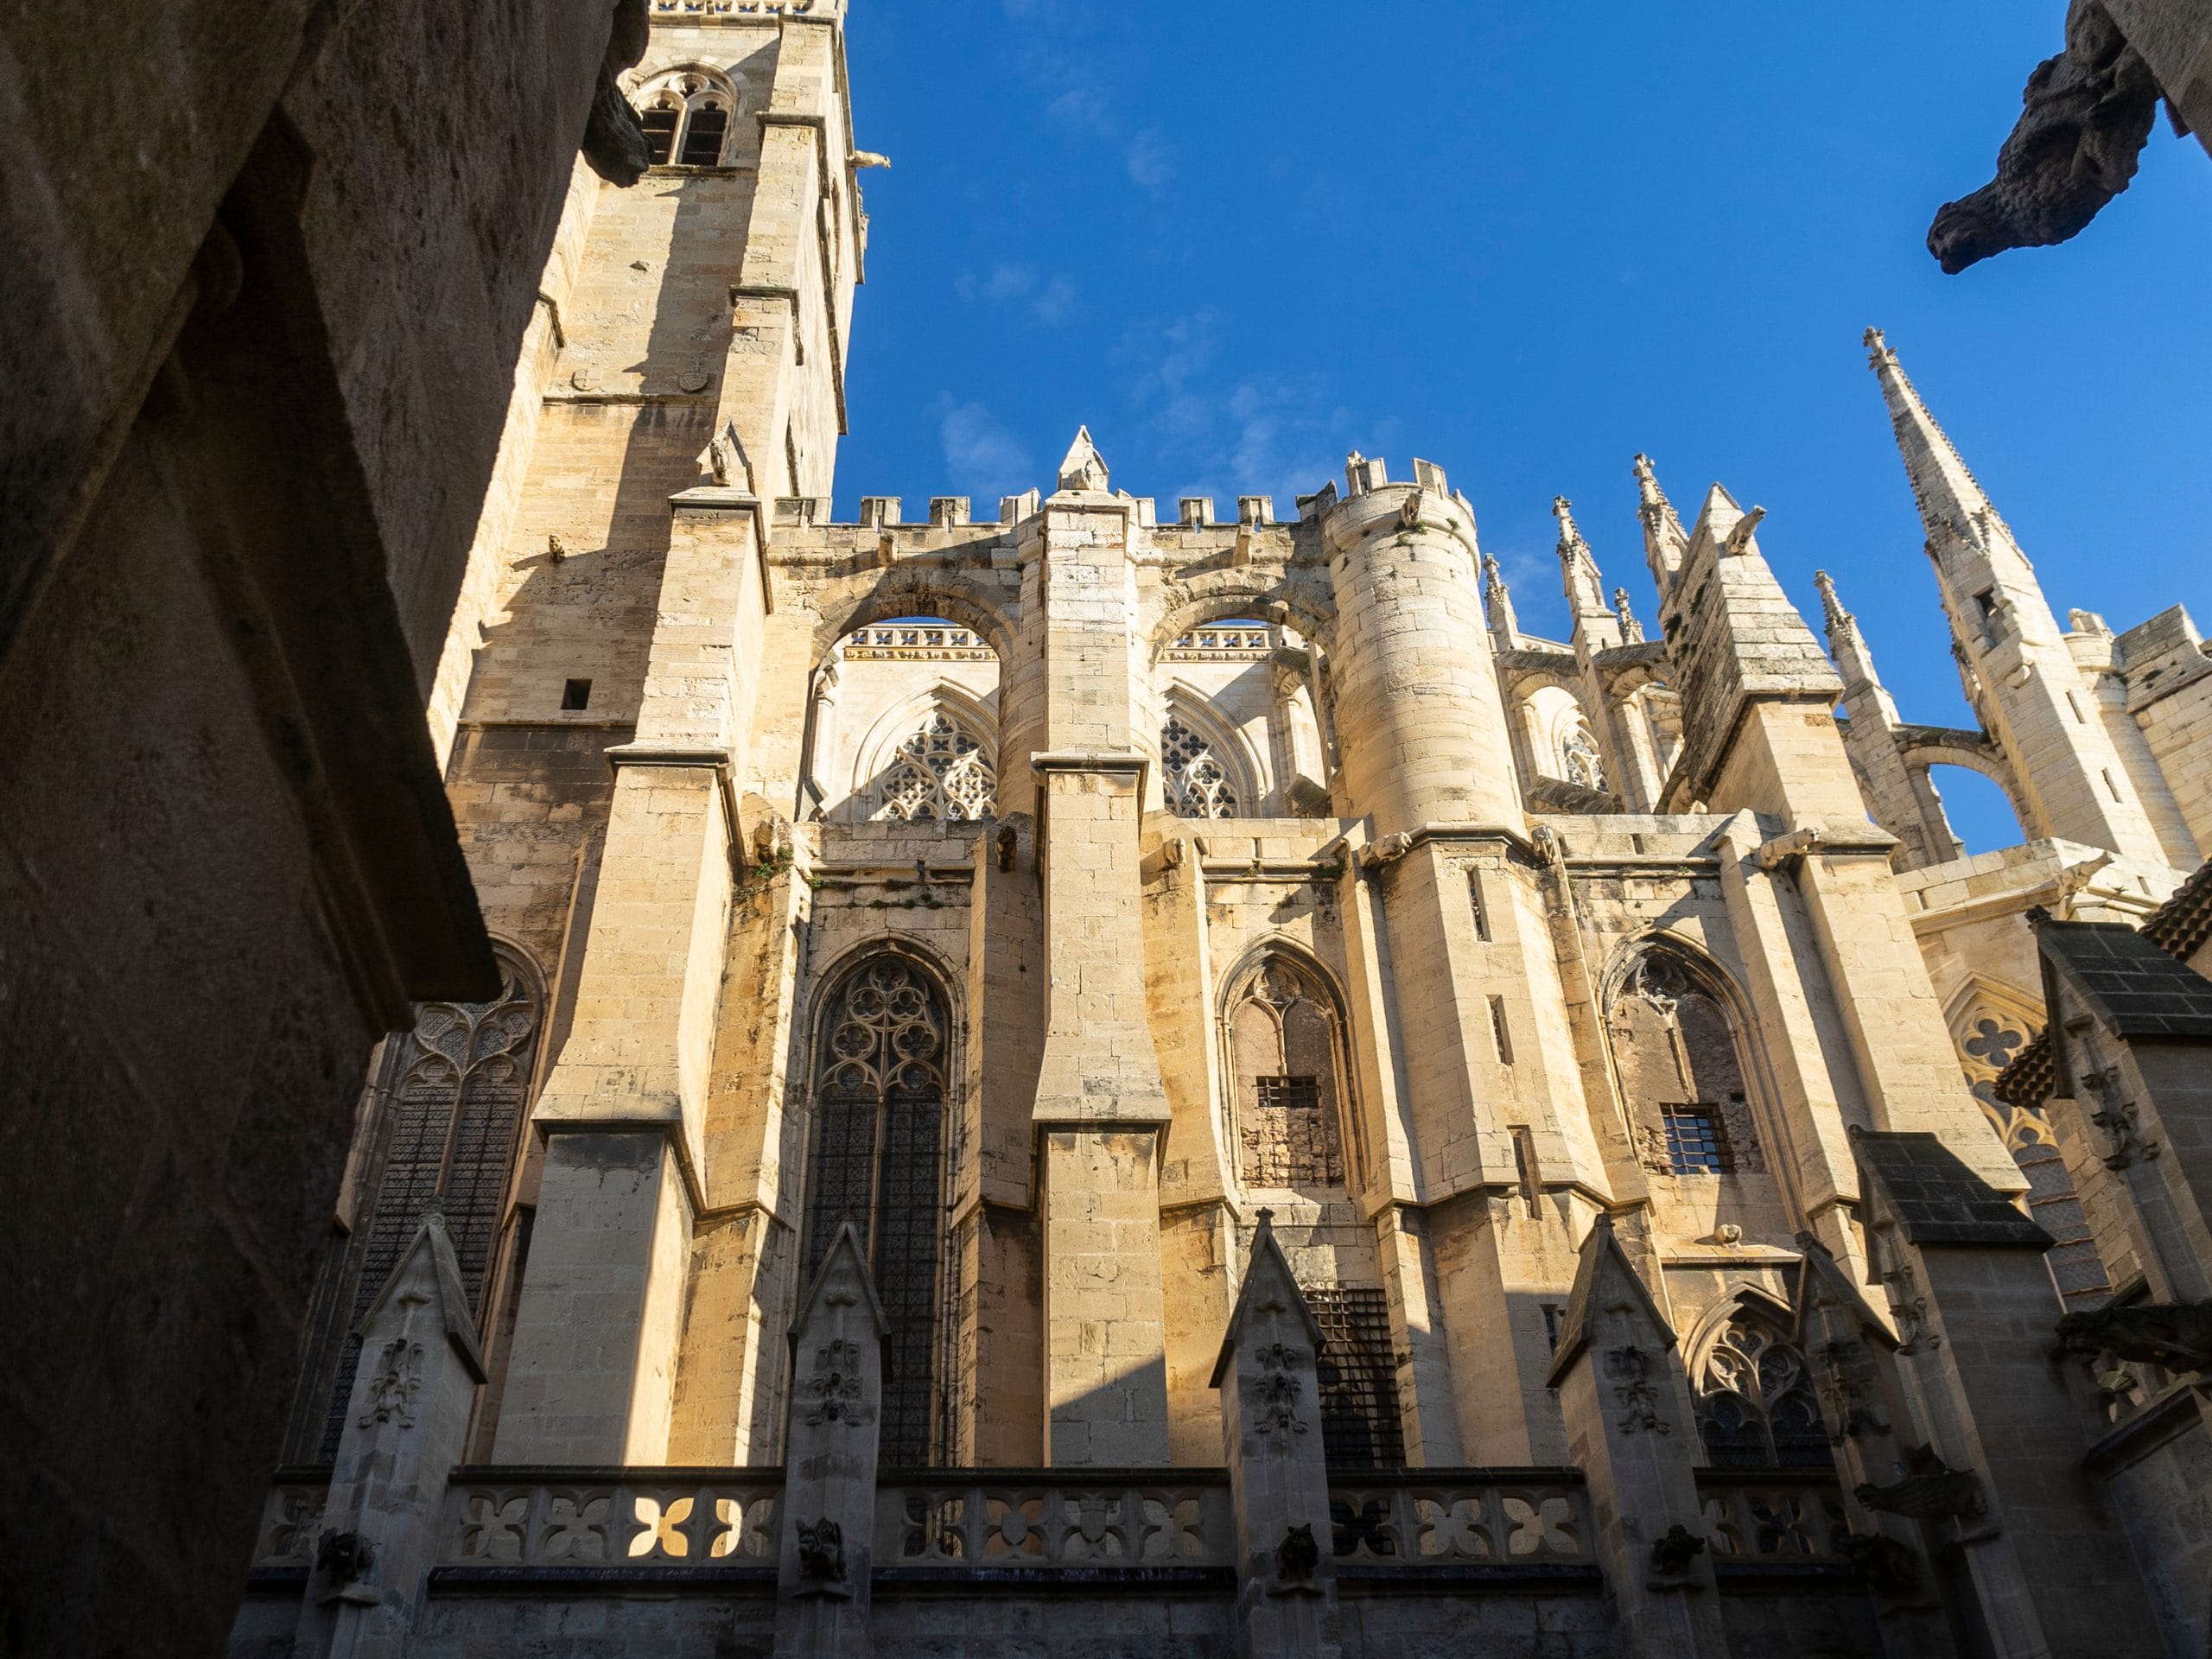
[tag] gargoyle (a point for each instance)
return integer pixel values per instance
(2089, 112)
(1298, 1558)
(614, 139)
(1932, 1491)
(822, 1553)
(1672, 1554)
(2177, 1337)
(342, 1557)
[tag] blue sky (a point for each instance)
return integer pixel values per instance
(1525, 241)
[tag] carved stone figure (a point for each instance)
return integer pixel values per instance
(822, 1553)
(1671, 1557)
(342, 1557)
(2089, 112)
(1933, 1492)
(2175, 1336)
(1298, 1558)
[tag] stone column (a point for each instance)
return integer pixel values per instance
(1278, 1470)
(822, 740)
(404, 1426)
(1629, 1422)
(824, 1572)
(2001, 1475)
(1101, 1106)
(1853, 1356)
(625, 1110)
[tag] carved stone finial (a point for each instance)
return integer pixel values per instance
(1570, 535)
(1631, 630)
(1877, 348)
(1082, 467)
(1839, 619)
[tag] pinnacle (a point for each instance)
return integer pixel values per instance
(1084, 468)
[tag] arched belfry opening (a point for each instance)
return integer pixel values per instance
(884, 1049)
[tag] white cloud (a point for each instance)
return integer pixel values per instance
(982, 458)
(1152, 161)
(1050, 300)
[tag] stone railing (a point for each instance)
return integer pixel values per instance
(1464, 1518)
(1760, 1518)
(632, 1518)
(291, 1520)
(965, 1523)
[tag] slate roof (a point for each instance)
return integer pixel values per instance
(2183, 923)
(1937, 1200)
(2134, 986)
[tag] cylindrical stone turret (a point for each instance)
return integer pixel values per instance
(1420, 718)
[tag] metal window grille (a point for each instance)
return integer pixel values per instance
(660, 134)
(703, 139)
(1291, 1094)
(1360, 1425)
(1696, 1142)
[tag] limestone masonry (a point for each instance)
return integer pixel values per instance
(1081, 1079)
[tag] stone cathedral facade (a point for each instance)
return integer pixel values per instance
(1083, 1080)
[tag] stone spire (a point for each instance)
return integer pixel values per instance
(1504, 626)
(1631, 630)
(1594, 622)
(1849, 649)
(1665, 541)
(1952, 506)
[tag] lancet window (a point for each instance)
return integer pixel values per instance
(942, 772)
(451, 1129)
(1284, 1047)
(686, 119)
(1680, 1070)
(1197, 784)
(879, 1157)
(1756, 1404)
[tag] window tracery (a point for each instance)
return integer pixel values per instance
(878, 1155)
(454, 1125)
(1757, 1408)
(940, 773)
(686, 117)
(1681, 1073)
(1584, 765)
(1282, 1034)
(1197, 784)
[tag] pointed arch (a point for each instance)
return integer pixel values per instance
(689, 112)
(885, 1056)
(1758, 1407)
(1677, 1038)
(1287, 1063)
(933, 758)
(1207, 770)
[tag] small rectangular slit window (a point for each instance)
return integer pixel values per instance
(1499, 1029)
(1696, 1142)
(576, 696)
(1553, 1314)
(2074, 703)
(2112, 784)
(1524, 1167)
(1482, 910)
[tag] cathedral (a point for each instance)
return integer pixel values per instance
(1090, 1079)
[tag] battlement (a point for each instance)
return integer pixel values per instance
(743, 11)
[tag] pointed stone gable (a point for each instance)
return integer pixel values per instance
(1604, 1283)
(1084, 468)
(428, 1274)
(1823, 1285)
(843, 1281)
(1270, 1291)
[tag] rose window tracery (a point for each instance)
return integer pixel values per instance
(941, 773)
(1198, 785)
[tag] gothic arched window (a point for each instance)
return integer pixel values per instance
(879, 1158)
(1283, 1052)
(452, 1126)
(1675, 1048)
(1579, 755)
(1197, 784)
(686, 117)
(942, 772)
(1756, 1406)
